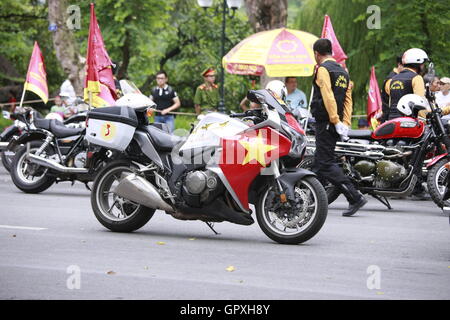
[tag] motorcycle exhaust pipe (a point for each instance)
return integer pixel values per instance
(3, 145)
(135, 188)
(51, 164)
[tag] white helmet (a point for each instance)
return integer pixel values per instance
(407, 103)
(278, 89)
(414, 56)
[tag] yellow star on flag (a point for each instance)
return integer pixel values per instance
(256, 150)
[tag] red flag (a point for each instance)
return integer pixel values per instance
(374, 104)
(36, 76)
(99, 77)
(328, 32)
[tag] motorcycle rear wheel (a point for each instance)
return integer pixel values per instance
(305, 224)
(28, 177)
(113, 212)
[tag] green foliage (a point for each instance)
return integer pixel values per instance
(4, 122)
(404, 24)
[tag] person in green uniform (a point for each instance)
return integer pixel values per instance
(207, 94)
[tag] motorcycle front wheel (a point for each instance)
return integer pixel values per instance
(113, 212)
(436, 183)
(293, 223)
(332, 192)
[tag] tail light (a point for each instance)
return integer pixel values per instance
(447, 165)
(293, 123)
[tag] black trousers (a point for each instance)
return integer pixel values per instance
(326, 165)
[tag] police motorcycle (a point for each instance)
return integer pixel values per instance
(225, 163)
(389, 161)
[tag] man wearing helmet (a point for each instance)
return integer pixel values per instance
(331, 106)
(407, 81)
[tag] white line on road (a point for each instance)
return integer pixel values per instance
(21, 228)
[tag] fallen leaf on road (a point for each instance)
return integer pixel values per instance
(161, 243)
(230, 269)
(192, 239)
(380, 293)
(111, 273)
(145, 268)
(15, 236)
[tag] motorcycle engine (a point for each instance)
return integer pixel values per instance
(80, 160)
(390, 171)
(201, 187)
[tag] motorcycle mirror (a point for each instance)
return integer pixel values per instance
(252, 96)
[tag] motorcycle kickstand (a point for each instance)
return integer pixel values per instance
(383, 200)
(87, 187)
(211, 226)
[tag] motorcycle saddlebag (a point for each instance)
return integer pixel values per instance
(111, 127)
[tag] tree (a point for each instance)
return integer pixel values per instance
(67, 49)
(267, 14)
(404, 24)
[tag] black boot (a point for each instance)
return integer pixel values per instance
(354, 207)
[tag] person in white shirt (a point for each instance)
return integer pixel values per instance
(443, 96)
(67, 92)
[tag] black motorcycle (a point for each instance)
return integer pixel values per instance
(49, 151)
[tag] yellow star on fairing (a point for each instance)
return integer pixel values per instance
(256, 150)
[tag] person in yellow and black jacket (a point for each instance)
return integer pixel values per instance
(384, 88)
(407, 81)
(331, 107)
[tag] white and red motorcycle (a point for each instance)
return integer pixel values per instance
(226, 164)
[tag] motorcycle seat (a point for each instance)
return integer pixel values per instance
(42, 123)
(359, 134)
(161, 139)
(61, 131)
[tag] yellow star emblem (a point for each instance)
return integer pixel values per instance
(256, 149)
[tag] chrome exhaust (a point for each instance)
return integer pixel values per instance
(3, 145)
(51, 164)
(136, 189)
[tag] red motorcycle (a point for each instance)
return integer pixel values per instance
(389, 161)
(214, 175)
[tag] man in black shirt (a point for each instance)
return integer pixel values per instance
(166, 100)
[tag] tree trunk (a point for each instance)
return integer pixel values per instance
(266, 15)
(67, 50)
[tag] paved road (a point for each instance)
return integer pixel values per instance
(402, 254)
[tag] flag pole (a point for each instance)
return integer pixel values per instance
(90, 100)
(23, 95)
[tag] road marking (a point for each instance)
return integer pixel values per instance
(21, 228)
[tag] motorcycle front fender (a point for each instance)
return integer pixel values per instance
(436, 159)
(290, 176)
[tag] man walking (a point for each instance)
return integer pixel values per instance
(166, 100)
(332, 108)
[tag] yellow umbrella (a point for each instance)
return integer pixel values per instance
(280, 52)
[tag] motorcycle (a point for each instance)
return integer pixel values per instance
(389, 161)
(49, 151)
(226, 163)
